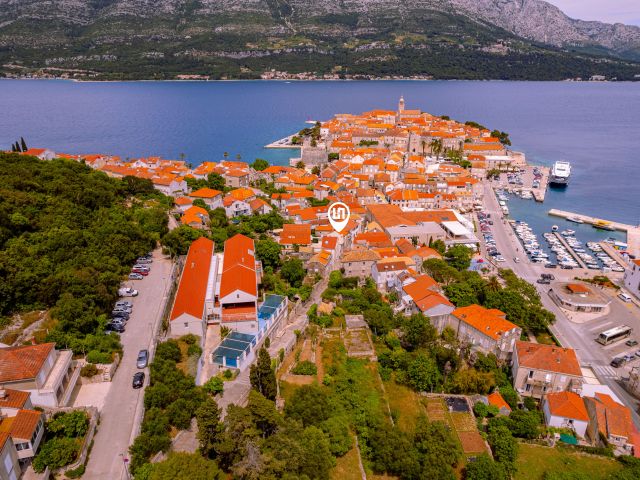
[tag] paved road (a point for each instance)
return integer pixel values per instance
(573, 335)
(123, 404)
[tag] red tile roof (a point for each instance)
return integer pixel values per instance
(567, 405)
(490, 322)
(205, 193)
(239, 266)
(293, 234)
(548, 357)
(14, 398)
(24, 362)
(22, 426)
(192, 290)
(496, 399)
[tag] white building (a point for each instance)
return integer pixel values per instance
(632, 278)
(566, 410)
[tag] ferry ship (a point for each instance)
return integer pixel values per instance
(560, 173)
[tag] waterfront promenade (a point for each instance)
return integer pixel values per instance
(633, 232)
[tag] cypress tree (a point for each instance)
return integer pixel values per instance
(262, 376)
(13, 147)
(24, 144)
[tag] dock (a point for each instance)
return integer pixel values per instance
(283, 143)
(570, 250)
(633, 232)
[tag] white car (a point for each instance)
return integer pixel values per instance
(127, 292)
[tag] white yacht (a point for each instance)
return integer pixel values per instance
(560, 173)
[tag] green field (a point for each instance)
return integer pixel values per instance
(534, 461)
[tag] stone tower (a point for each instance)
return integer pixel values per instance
(401, 104)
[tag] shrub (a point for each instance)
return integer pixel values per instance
(56, 453)
(75, 472)
(89, 370)
(95, 356)
(189, 339)
(305, 368)
(70, 424)
(169, 350)
(228, 374)
(194, 350)
(215, 385)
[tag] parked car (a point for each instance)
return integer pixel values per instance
(618, 362)
(141, 267)
(118, 321)
(138, 380)
(551, 265)
(638, 353)
(629, 358)
(135, 276)
(124, 303)
(114, 327)
(624, 297)
(143, 359)
(122, 308)
(144, 260)
(543, 281)
(139, 271)
(516, 259)
(631, 343)
(548, 276)
(124, 315)
(127, 292)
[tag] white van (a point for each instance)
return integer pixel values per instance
(624, 297)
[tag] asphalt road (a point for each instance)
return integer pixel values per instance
(580, 337)
(120, 417)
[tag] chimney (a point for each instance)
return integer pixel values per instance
(3, 393)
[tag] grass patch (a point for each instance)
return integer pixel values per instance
(534, 460)
(347, 466)
(404, 404)
(546, 338)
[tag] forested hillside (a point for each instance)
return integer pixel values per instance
(68, 235)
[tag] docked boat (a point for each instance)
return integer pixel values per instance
(560, 173)
(575, 219)
(602, 225)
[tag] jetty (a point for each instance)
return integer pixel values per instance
(283, 143)
(633, 232)
(575, 256)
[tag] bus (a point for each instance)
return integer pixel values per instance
(614, 334)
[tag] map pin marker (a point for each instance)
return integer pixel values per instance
(339, 214)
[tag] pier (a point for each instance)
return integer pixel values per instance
(633, 232)
(283, 143)
(575, 256)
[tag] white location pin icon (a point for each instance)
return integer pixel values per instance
(339, 214)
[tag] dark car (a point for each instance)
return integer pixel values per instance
(618, 362)
(138, 380)
(114, 327)
(548, 276)
(566, 267)
(551, 265)
(120, 314)
(143, 359)
(543, 281)
(631, 343)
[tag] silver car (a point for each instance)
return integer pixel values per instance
(143, 359)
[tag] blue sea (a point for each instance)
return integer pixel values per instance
(595, 126)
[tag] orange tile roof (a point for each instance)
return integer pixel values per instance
(22, 426)
(294, 234)
(419, 289)
(431, 300)
(360, 255)
(238, 270)
(567, 405)
(329, 242)
(183, 201)
(617, 417)
(193, 283)
(14, 398)
(205, 193)
(490, 322)
(23, 362)
(373, 238)
(496, 399)
(548, 357)
(242, 193)
(577, 288)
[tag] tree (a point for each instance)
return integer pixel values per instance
(485, 468)
(423, 374)
(185, 466)
(317, 458)
(169, 350)
(380, 320)
(472, 381)
(441, 271)
(504, 447)
(418, 331)
(461, 294)
(178, 240)
(336, 428)
(525, 423)
(309, 404)
(459, 257)
(56, 453)
(23, 144)
(293, 272)
(70, 425)
(137, 185)
(262, 376)
(315, 170)
(439, 246)
(216, 181)
(260, 164)
(435, 440)
(268, 252)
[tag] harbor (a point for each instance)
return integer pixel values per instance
(633, 232)
(530, 182)
(284, 143)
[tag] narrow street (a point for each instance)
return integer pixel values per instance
(121, 415)
(568, 333)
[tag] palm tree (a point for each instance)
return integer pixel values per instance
(424, 144)
(493, 284)
(238, 156)
(225, 154)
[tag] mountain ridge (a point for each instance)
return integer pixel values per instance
(510, 39)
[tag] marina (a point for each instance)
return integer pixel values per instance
(633, 232)
(570, 250)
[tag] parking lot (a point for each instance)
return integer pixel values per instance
(123, 403)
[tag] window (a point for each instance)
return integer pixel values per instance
(527, 388)
(186, 324)
(530, 373)
(22, 446)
